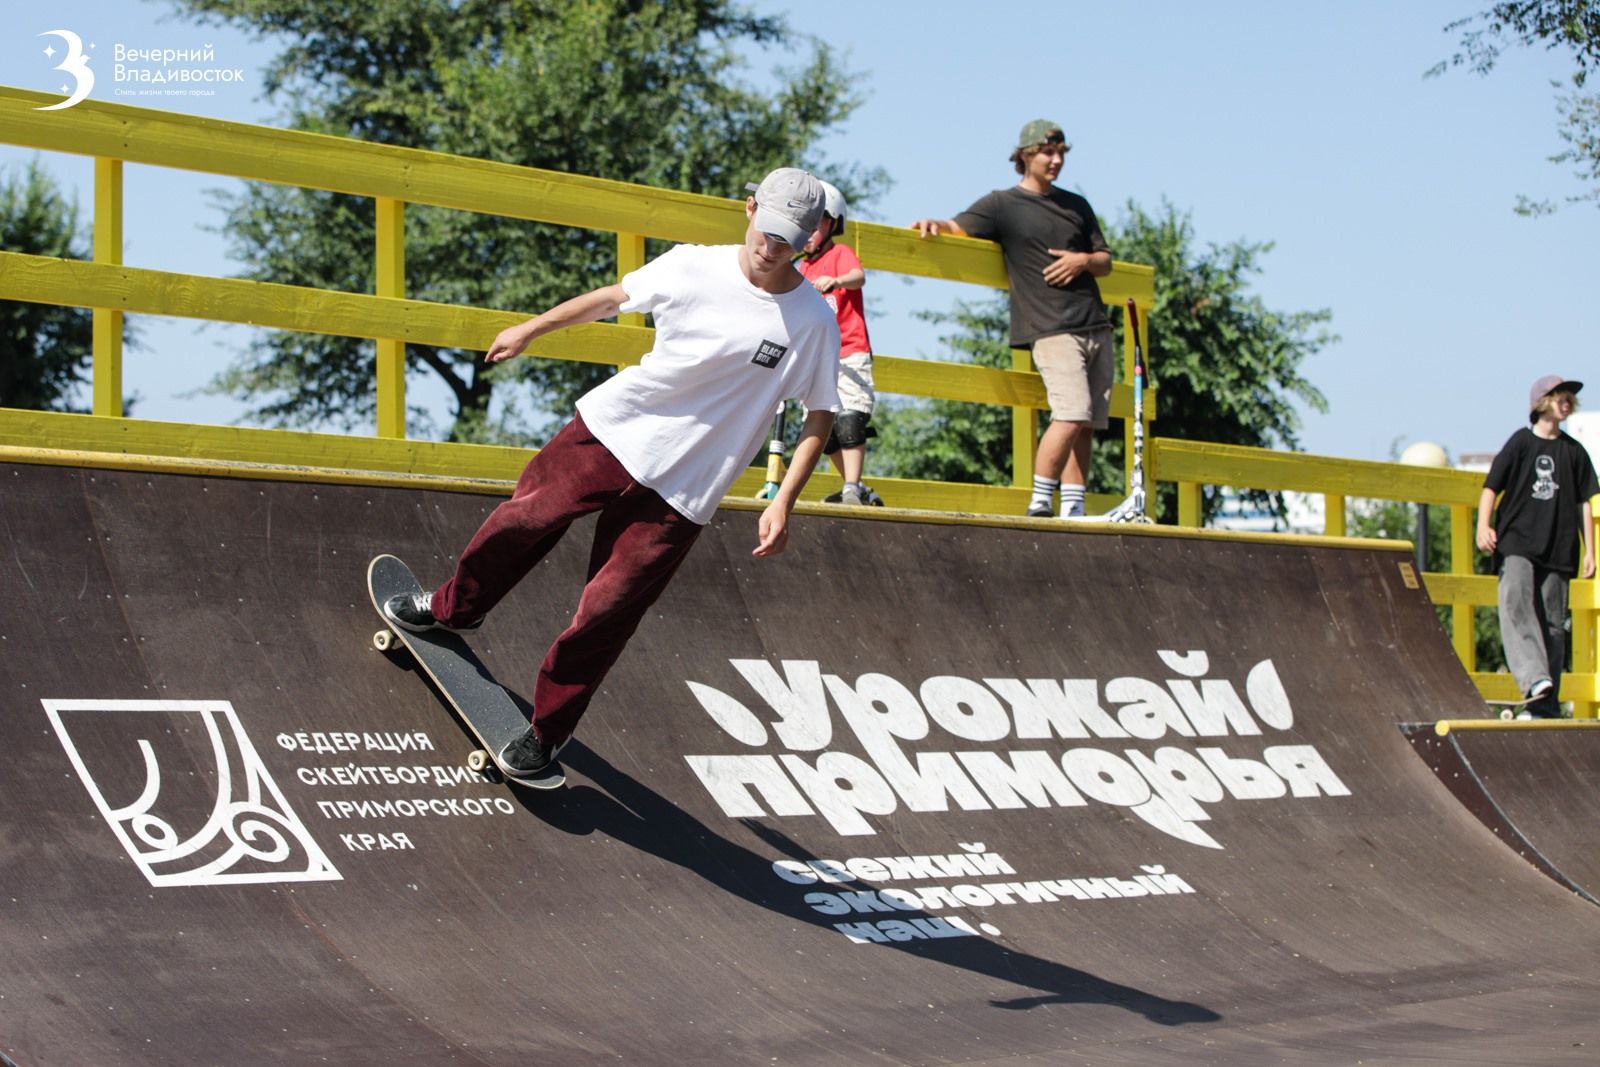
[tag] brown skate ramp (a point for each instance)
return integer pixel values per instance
(909, 794)
(1537, 788)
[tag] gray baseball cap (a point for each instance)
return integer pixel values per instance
(1550, 383)
(788, 205)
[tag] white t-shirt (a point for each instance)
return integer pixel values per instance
(693, 415)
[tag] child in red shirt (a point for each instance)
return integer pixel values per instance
(836, 272)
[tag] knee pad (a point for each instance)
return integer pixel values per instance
(849, 430)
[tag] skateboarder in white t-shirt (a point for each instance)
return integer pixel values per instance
(653, 449)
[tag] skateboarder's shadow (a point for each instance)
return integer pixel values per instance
(629, 811)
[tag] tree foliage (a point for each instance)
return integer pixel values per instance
(1226, 367)
(1569, 25)
(643, 91)
(45, 350)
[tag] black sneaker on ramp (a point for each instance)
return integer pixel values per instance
(527, 761)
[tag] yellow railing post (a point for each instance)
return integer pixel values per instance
(1024, 429)
(1333, 517)
(1585, 634)
(1189, 504)
(630, 257)
(107, 330)
(1583, 659)
(1463, 617)
(391, 282)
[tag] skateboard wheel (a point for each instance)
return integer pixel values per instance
(1506, 715)
(383, 640)
(478, 760)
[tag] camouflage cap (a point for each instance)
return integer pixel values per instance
(1038, 132)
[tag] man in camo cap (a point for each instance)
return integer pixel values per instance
(1054, 251)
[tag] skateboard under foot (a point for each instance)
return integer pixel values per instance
(480, 703)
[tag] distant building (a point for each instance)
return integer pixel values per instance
(1304, 514)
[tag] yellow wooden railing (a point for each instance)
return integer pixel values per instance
(1194, 464)
(393, 178)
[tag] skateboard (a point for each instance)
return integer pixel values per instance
(481, 703)
(1508, 708)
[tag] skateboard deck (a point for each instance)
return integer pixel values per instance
(1508, 708)
(481, 703)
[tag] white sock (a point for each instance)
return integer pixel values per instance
(1044, 490)
(1072, 501)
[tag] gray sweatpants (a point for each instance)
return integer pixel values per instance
(1533, 622)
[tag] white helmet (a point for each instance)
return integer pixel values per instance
(833, 204)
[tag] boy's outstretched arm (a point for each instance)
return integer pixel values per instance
(601, 303)
(774, 525)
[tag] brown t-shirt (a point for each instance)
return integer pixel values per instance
(1027, 225)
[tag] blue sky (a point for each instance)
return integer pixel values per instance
(1388, 196)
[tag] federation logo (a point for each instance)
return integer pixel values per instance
(186, 793)
(76, 63)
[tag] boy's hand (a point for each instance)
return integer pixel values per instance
(1588, 565)
(824, 283)
(1487, 539)
(773, 529)
(508, 344)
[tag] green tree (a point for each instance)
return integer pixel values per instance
(1572, 25)
(44, 349)
(643, 92)
(1226, 367)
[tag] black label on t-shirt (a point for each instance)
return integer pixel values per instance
(769, 354)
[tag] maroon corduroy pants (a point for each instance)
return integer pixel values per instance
(639, 541)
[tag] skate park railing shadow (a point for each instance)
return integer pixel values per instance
(394, 178)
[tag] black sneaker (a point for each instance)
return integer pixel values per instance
(1542, 700)
(1040, 511)
(414, 612)
(526, 761)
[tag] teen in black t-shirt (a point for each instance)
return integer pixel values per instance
(1541, 538)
